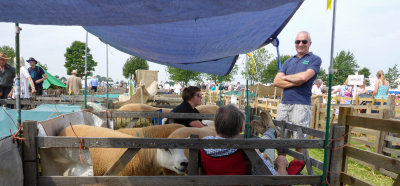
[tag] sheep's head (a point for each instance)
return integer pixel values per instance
(173, 159)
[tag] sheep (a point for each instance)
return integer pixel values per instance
(207, 109)
(185, 132)
(146, 162)
(162, 131)
(142, 107)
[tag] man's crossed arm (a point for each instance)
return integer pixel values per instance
(286, 81)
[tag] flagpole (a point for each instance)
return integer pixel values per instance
(328, 108)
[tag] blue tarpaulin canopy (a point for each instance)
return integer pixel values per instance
(204, 36)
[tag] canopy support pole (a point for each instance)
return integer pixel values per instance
(220, 91)
(86, 44)
(328, 108)
(107, 74)
(275, 42)
(247, 99)
(17, 71)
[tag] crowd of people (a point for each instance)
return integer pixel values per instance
(177, 88)
(30, 80)
(381, 89)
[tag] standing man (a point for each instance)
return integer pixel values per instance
(74, 83)
(296, 78)
(94, 83)
(7, 74)
(38, 75)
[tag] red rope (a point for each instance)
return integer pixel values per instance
(80, 143)
(338, 148)
(14, 136)
(110, 111)
(341, 138)
(326, 181)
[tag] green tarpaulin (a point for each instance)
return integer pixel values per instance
(51, 80)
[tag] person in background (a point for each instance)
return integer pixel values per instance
(381, 86)
(7, 74)
(94, 82)
(213, 87)
(167, 87)
(203, 86)
(191, 99)
(25, 81)
(381, 89)
(237, 87)
(38, 75)
(177, 88)
(361, 90)
(316, 88)
(74, 83)
(345, 91)
(230, 87)
(228, 125)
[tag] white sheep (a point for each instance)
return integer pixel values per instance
(146, 162)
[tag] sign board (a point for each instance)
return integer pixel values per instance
(355, 79)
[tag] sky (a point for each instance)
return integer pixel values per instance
(368, 28)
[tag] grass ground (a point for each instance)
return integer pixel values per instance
(355, 169)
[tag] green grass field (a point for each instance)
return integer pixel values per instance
(355, 169)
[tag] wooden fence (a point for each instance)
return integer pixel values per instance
(32, 143)
(379, 161)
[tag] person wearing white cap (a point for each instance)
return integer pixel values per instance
(7, 74)
(74, 83)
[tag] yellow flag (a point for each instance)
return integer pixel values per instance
(329, 5)
(252, 61)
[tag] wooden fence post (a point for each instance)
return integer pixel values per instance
(343, 113)
(193, 168)
(388, 113)
(30, 160)
(336, 156)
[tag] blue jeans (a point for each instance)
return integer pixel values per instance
(270, 134)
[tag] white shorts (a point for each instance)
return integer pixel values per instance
(296, 114)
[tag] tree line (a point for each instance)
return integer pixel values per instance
(265, 67)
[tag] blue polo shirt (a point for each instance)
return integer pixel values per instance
(300, 94)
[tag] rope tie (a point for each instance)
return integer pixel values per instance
(80, 139)
(326, 181)
(14, 136)
(110, 111)
(339, 139)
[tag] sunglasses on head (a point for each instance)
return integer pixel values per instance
(302, 41)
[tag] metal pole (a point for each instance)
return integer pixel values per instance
(220, 90)
(86, 44)
(247, 99)
(17, 71)
(275, 42)
(107, 74)
(328, 109)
